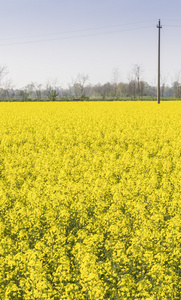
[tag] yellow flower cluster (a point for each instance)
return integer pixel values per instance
(90, 202)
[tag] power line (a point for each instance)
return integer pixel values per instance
(75, 36)
(76, 31)
(171, 20)
(172, 25)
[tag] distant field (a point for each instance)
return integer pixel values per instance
(90, 200)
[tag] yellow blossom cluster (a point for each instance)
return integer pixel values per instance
(90, 204)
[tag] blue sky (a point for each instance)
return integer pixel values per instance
(43, 40)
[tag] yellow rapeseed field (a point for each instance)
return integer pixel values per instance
(90, 201)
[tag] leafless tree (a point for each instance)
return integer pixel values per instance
(52, 90)
(103, 90)
(132, 89)
(163, 85)
(37, 89)
(7, 89)
(115, 83)
(142, 87)
(177, 85)
(25, 92)
(137, 72)
(79, 85)
(3, 73)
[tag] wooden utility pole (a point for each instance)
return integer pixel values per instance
(158, 88)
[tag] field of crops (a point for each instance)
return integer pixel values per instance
(90, 201)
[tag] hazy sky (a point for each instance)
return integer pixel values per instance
(44, 40)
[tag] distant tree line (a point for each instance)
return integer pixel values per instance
(81, 89)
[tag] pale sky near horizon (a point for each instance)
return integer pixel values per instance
(44, 40)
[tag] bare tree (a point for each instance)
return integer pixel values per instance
(163, 85)
(52, 89)
(25, 92)
(3, 73)
(137, 71)
(89, 91)
(152, 89)
(123, 88)
(70, 90)
(132, 89)
(7, 89)
(142, 87)
(103, 90)
(115, 83)
(79, 85)
(24, 95)
(37, 89)
(177, 85)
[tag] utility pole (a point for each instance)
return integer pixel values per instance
(158, 88)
